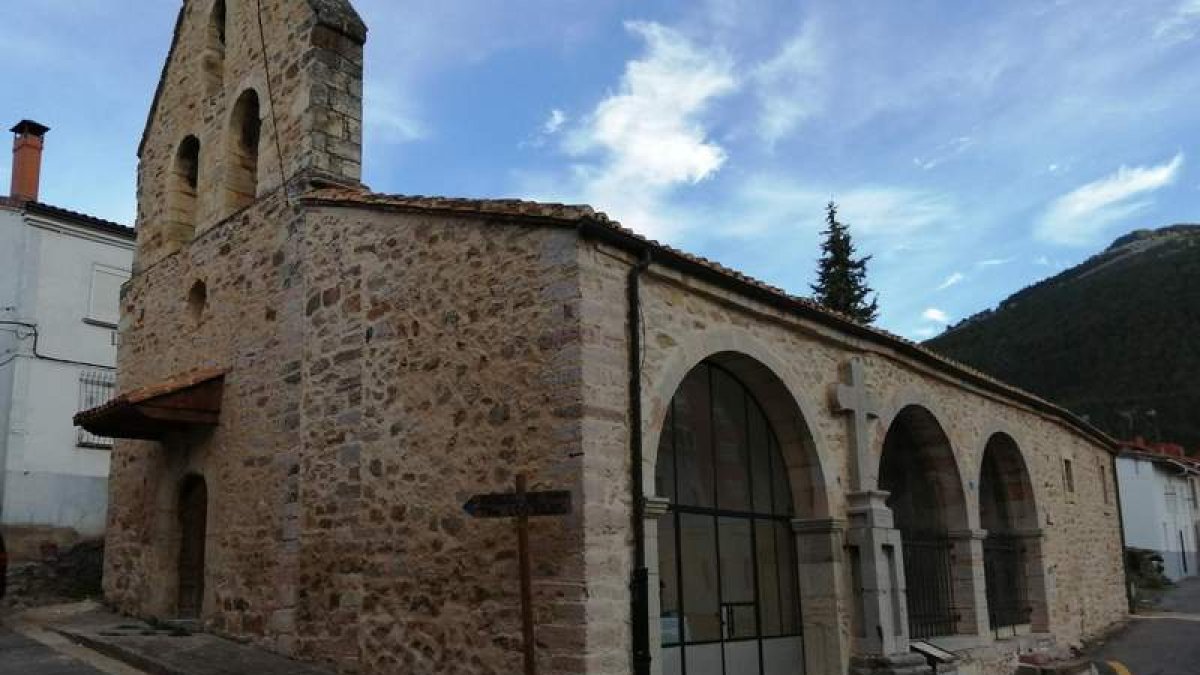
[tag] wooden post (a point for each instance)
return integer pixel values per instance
(522, 505)
(526, 580)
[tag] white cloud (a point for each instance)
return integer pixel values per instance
(944, 153)
(389, 118)
(554, 122)
(647, 139)
(925, 333)
(1182, 25)
(790, 85)
(1078, 217)
(994, 262)
(952, 280)
(881, 212)
(936, 315)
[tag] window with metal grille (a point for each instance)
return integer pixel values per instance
(96, 387)
(727, 557)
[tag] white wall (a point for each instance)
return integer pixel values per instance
(12, 231)
(49, 480)
(1155, 520)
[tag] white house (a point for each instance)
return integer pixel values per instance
(60, 279)
(1159, 489)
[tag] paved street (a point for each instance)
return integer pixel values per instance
(1163, 642)
(20, 655)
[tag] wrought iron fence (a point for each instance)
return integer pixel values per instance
(1004, 570)
(929, 577)
(96, 387)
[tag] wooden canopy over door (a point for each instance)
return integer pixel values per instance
(177, 404)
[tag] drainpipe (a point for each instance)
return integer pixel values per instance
(640, 584)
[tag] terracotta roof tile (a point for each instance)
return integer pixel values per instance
(170, 385)
(576, 214)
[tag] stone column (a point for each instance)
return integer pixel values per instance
(969, 582)
(820, 556)
(653, 509)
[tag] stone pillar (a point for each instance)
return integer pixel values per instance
(969, 581)
(881, 616)
(653, 509)
(820, 551)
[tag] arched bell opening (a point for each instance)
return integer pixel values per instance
(919, 471)
(736, 468)
(242, 152)
(1012, 548)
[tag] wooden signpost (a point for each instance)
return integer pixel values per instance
(522, 505)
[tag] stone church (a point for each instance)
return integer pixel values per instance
(315, 378)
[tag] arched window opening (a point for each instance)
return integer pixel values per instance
(185, 181)
(730, 600)
(919, 473)
(1007, 513)
(197, 301)
(214, 57)
(219, 25)
(193, 533)
(241, 168)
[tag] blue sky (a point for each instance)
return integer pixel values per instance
(974, 147)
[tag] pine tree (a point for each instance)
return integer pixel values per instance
(842, 279)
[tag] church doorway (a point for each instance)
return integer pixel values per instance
(920, 474)
(1007, 513)
(193, 530)
(727, 556)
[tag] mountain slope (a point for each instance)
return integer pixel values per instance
(1111, 339)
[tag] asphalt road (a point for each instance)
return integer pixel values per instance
(20, 655)
(1164, 642)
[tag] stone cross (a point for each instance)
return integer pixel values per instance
(854, 399)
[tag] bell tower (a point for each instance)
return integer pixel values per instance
(255, 95)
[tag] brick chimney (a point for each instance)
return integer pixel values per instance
(27, 160)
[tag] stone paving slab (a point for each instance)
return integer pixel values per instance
(166, 651)
(20, 655)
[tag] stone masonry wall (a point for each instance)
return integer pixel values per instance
(251, 325)
(383, 369)
(315, 64)
(687, 321)
(441, 359)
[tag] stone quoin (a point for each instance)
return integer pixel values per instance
(316, 378)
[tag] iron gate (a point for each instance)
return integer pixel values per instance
(928, 574)
(1004, 569)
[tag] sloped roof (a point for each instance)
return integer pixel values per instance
(594, 223)
(338, 15)
(82, 219)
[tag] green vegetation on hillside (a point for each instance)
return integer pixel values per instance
(1115, 339)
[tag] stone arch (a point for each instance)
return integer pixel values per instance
(789, 409)
(919, 470)
(815, 541)
(184, 191)
(1013, 560)
(940, 435)
(915, 433)
(243, 142)
(216, 35)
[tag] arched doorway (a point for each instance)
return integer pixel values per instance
(193, 530)
(729, 592)
(919, 472)
(1008, 513)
